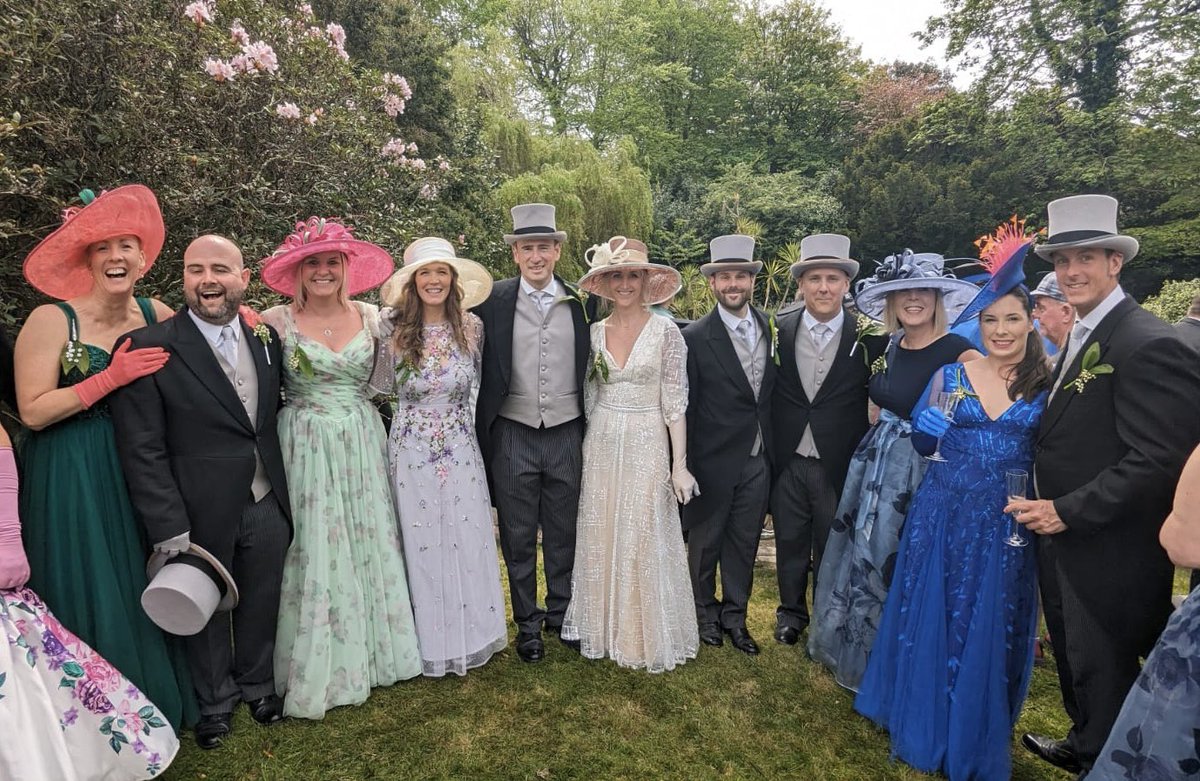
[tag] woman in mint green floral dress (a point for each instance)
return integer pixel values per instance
(345, 620)
(437, 471)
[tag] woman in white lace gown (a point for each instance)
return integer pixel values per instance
(631, 596)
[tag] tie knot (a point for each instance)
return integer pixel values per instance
(226, 333)
(743, 327)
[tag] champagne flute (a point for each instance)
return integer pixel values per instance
(946, 403)
(1015, 481)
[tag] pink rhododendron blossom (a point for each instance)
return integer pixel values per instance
(288, 110)
(393, 149)
(219, 70)
(412, 148)
(393, 104)
(418, 164)
(443, 163)
(306, 11)
(262, 56)
(428, 191)
(400, 83)
(239, 34)
(198, 12)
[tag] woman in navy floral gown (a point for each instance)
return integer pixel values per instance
(949, 669)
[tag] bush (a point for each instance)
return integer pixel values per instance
(1173, 301)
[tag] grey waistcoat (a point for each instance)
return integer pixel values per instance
(542, 390)
(754, 365)
(813, 367)
(244, 380)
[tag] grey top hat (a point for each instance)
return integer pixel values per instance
(907, 270)
(534, 221)
(825, 250)
(733, 252)
(1079, 221)
(1048, 288)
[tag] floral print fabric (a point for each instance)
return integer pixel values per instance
(67, 713)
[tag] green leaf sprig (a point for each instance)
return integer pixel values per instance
(1089, 368)
(75, 355)
(773, 329)
(599, 367)
(298, 362)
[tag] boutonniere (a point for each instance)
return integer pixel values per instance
(405, 370)
(1089, 368)
(961, 391)
(864, 327)
(880, 365)
(298, 362)
(75, 355)
(773, 329)
(599, 367)
(257, 327)
(576, 295)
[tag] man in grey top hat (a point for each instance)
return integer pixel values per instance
(529, 420)
(1054, 315)
(731, 372)
(819, 411)
(1119, 423)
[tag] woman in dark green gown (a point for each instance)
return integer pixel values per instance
(86, 552)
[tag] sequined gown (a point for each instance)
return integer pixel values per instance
(631, 595)
(443, 505)
(345, 622)
(950, 666)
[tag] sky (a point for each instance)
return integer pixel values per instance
(884, 28)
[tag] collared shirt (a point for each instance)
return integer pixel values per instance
(1093, 318)
(212, 332)
(732, 321)
(552, 289)
(835, 323)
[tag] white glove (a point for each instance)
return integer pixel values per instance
(684, 484)
(174, 546)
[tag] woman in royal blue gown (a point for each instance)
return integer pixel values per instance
(950, 666)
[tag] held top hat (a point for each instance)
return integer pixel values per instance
(619, 253)
(367, 264)
(1079, 221)
(734, 252)
(58, 266)
(186, 590)
(473, 279)
(825, 250)
(534, 221)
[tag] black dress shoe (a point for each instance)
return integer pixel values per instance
(212, 728)
(710, 634)
(530, 647)
(788, 635)
(1057, 752)
(266, 710)
(741, 640)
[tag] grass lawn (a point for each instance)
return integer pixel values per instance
(723, 715)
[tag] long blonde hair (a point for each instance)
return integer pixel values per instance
(408, 318)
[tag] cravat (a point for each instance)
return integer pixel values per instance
(743, 331)
(227, 345)
(820, 333)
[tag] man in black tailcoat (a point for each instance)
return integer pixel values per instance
(1119, 424)
(819, 411)
(731, 372)
(200, 451)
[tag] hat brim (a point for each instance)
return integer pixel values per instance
(842, 264)
(58, 265)
(956, 294)
(661, 284)
(1126, 245)
(753, 266)
(513, 238)
(229, 596)
(367, 265)
(474, 281)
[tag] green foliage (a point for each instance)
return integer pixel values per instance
(1174, 299)
(110, 93)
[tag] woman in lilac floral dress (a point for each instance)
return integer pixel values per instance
(437, 472)
(65, 713)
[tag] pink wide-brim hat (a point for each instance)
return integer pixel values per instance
(58, 265)
(367, 264)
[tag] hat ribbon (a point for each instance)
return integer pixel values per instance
(601, 255)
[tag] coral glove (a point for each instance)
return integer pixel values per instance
(126, 366)
(14, 567)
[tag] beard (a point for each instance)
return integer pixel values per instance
(217, 311)
(733, 300)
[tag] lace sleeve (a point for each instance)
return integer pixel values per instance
(591, 379)
(673, 383)
(383, 373)
(473, 330)
(277, 318)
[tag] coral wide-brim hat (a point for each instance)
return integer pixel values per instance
(619, 253)
(58, 266)
(367, 264)
(474, 281)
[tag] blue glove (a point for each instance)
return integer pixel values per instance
(931, 421)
